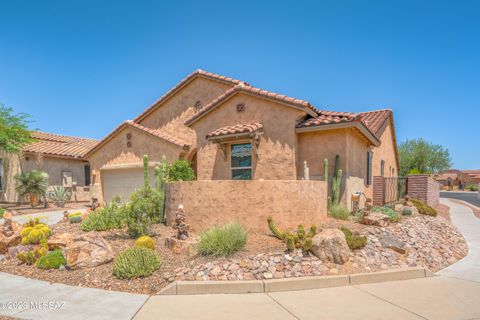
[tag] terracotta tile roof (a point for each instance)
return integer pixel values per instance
(236, 129)
(59, 145)
(256, 92)
(372, 120)
(183, 82)
(159, 133)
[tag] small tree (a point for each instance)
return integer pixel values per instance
(180, 170)
(14, 133)
(420, 156)
(33, 184)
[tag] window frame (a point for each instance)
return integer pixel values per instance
(241, 168)
(87, 171)
(382, 168)
(369, 167)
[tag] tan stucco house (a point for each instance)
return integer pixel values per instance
(229, 130)
(62, 157)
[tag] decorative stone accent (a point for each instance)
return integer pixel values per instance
(375, 219)
(394, 244)
(330, 245)
(86, 251)
(10, 235)
(180, 225)
(61, 240)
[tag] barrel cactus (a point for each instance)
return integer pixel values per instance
(145, 242)
(135, 262)
(35, 234)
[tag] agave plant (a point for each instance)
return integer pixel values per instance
(59, 195)
(33, 184)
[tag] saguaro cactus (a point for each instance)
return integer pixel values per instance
(334, 199)
(325, 170)
(146, 181)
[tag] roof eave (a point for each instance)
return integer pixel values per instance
(333, 126)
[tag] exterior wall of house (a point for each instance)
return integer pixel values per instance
(207, 203)
(14, 164)
(277, 149)
(386, 151)
(173, 113)
(116, 152)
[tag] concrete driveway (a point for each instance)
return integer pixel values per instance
(467, 196)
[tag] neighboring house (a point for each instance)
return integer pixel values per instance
(229, 129)
(454, 179)
(59, 156)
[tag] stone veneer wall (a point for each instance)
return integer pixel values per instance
(210, 202)
(425, 188)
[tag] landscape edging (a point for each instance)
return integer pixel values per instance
(290, 284)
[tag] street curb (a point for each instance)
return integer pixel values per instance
(290, 284)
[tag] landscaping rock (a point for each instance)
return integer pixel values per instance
(13, 251)
(188, 246)
(394, 244)
(11, 241)
(409, 210)
(86, 251)
(61, 240)
(330, 245)
(375, 219)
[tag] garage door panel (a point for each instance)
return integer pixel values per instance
(123, 182)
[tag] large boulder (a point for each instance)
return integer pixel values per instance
(59, 241)
(409, 210)
(375, 219)
(330, 245)
(87, 251)
(394, 244)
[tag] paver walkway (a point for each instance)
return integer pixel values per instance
(469, 226)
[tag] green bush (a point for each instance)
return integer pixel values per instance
(354, 242)
(222, 240)
(112, 216)
(424, 208)
(180, 170)
(338, 211)
(135, 262)
(52, 260)
(2, 211)
(472, 187)
(144, 209)
(392, 214)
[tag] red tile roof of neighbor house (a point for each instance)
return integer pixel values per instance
(256, 92)
(183, 82)
(235, 129)
(59, 145)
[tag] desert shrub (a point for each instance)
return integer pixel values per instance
(180, 170)
(145, 242)
(2, 211)
(222, 240)
(75, 219)
(112, 216)
(35, 234)
(393, 216)
(472, 187)
(354, 242)
(52, 260)
(338, 211)
(424, 208)
(60, 194)
(143, 210)
(135, 262)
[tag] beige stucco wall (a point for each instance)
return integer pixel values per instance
(277, 149)
(14, 164)
(173, 113)
(207, 203)
(115, 151)
(386, 151)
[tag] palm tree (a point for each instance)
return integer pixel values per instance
(33, 184)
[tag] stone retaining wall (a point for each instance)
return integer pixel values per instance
(210, 202)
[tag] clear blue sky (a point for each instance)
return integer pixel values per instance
(82, 67)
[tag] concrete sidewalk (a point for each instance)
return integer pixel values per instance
(23, 297)
(435, 298)
(47, 217)
(469, 226)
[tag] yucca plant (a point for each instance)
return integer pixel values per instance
(60, 195)
(32, 184)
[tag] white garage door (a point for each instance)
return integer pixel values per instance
(123, 182)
